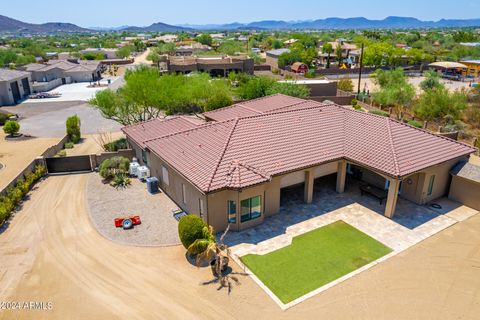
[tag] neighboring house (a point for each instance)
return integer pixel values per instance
(188, 50)
(14, 86)
(56, 72)
(299, 67)
(272, 57)
(215, 65)
(108, 53)
(473, 68)
(231, 169)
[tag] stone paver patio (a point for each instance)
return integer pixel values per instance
(411, 224)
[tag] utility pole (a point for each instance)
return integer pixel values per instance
(360, 71)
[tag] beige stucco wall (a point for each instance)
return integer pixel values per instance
(215, 204)
(417, 191)
(465, 191)
(174, 188)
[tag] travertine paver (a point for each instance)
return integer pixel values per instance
(411, 224)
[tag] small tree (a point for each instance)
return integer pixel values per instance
(11, 127)
(205, 39)
(73, 128)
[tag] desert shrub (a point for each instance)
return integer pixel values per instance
(73, 128)
(345, 84)
(11, 127)
(120, 180)
(191, 228)
(110, 167)
(379, 113)
(415, 123)
(15, 194)
(3, 118)
(61, 153)
(116, 145)
(69, 145)
(310, 74)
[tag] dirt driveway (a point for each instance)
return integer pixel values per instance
(51, 252)
(16, 154)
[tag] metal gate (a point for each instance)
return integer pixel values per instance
(68, 164)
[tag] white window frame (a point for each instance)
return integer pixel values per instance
(165, 177)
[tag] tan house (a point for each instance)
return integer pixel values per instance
(215, 65)
(232, 168)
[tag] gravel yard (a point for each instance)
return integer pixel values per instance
(106, 203)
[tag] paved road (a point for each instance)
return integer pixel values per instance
(51, 252)
(48, 119)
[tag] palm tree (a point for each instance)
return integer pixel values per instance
(217, 253)
(327, 48)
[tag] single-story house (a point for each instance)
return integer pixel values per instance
(14, 86)
(272, 57)
(473, 68)
(299, 67)
(64, 71)
(215, 65)
(108, 53)
(231, 170)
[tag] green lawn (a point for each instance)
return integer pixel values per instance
(314, 259)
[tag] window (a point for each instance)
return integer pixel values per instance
(250, 208)
(165, 176)
(184, 194)
(200, 206)
(430, 185)
(232, 211)
(144, 157)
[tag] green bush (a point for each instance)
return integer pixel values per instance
(415, 123)
(73, 128)
(110, 167)
(191, 228)
(116, 145)
(16, 193)
(345, 84)
(69, 145)
(3, 118)
(61, 153)
(379, 113)
(120, 180)
(11, 127)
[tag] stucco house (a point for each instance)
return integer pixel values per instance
(231, 168)
(14, 86)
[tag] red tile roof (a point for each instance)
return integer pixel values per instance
(253, 107)
(241, 152)
(160, 127)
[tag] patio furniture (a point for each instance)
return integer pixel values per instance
(373, 191)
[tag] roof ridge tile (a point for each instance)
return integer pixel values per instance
(225, 146)
(392, 147)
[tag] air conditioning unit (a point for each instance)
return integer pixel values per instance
(143, 172)
(133, 168)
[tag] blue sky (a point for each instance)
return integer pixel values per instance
(89, 13)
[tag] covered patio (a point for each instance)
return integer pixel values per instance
(410, 224)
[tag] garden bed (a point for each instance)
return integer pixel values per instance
(105, 203)
(314, 259)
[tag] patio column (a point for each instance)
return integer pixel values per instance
(341, 176)
(392, 197)
(308, 191)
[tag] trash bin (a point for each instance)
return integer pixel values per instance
(152, 185)
(109, 81)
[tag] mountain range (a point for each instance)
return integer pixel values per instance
(343, 23)
(15, 26)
